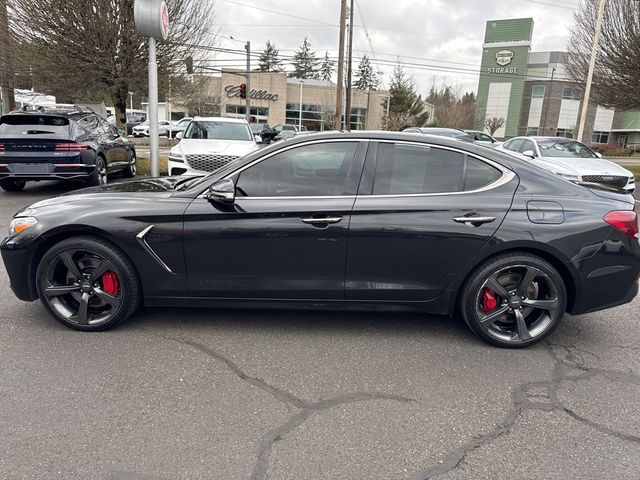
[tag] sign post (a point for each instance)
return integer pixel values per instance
(152, 21)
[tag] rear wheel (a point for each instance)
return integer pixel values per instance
(87, 284)
(132, 168)
(12, 185)
(514, 300)
(99, 175)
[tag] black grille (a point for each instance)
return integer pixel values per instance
(209, 163)
(618, 181)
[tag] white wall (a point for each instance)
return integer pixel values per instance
(498, 103)
(569, 110)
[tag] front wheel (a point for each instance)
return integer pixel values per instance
(87, 284)
(514, 300)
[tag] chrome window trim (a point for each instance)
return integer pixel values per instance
(507, 175)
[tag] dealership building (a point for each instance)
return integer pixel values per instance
(533, 93)
(278, 99)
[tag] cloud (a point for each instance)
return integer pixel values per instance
(432, 33)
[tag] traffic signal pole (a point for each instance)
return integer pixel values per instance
(248, 75)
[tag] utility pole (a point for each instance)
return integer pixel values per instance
(546, 107)
(154, 149)
(248, 75)
(592, 64)
(6, 63)
(339, 92)
(347, 113)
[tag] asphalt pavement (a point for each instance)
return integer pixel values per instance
(241, 394)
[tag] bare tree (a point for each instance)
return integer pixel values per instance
(615, 78)
(493, 124)
(451, 110)
(6, 61)
(90, 47)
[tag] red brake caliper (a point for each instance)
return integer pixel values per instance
(488, 301)
(110, 283)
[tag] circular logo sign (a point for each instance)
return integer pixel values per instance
(165, 20)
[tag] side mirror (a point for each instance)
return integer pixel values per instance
(598, 154)
(529, 153)
(121, 131)
(179, 135)
(223, 191)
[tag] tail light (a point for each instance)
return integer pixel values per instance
(71, 147)
(2, 149)
(624, 220)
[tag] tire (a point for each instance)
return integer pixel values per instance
(99, 175)
(131, 170)
(10, 185)
(513, 300)
(88, 284)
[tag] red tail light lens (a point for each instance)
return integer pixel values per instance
(2, 147)
(71, 147)
(626, 221)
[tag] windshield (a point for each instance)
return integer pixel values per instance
(212, 130)
(34, 124)
(553, 148)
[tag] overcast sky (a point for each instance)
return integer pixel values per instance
(443, 36)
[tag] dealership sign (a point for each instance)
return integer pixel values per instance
(151, 18)
(234, 91)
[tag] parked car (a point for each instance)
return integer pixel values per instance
(133, 120)
(178, 126)
(483, 138)
(375, 220)
(266, 133)
(59, 145)
(441, 132)
(571, 160)
(287, 131)
(142, 130)
(209, 143)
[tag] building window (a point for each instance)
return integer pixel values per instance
(532, 131)
(600, 137)
(571, 93)
(242, 110)
(537, 91)
(320, 117)
(564, 132)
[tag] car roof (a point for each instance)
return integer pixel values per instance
(222, 119)
(548, 138)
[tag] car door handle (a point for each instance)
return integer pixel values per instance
(473, 221)
(320, 220)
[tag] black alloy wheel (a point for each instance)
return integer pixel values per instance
(99, 175)
(514, 300)
(11, 185)
(131, 169)
(87, 284)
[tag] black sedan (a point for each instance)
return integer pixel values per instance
(61, 145)
(342, 220)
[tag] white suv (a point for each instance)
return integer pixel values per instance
(208, 143)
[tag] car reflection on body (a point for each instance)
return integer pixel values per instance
(375, 220)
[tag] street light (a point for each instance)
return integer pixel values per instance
(300, 112)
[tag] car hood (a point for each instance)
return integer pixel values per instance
(235, 148)
(582, 166)
(112, 192)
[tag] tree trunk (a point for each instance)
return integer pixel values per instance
(119, 98)
(6, 62)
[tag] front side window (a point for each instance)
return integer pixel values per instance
(318, 170)
(515, 144)
(411, 169)
(527, 145)
(212, 130)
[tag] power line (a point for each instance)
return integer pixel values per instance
(275, 12)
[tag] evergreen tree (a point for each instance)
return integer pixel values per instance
(269, 61)
(305, 62)
(405, 103)
(366, 78)
(326, 69)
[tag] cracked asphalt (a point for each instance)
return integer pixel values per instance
(219, 394)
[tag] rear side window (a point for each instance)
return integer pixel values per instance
(410, 169)
(34, 124)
